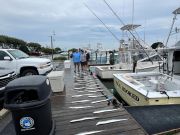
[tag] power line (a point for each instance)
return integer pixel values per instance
(128, 30)
(114, 12)
(103, 23)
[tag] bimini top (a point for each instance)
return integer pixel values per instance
(130, 27)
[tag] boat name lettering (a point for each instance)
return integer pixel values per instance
(127, 92)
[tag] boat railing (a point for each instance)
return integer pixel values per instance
(168, 76)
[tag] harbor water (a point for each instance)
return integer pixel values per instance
(109, 84)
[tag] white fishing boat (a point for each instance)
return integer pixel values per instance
(143, 65)
(147, 88)
(152, 88)
(147, 59)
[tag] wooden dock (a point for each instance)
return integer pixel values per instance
(86, 107)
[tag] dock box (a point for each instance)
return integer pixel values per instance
(57, 80)
(67, 64)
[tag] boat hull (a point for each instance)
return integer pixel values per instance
(128, 94)
(108, 73)
(104, 72)
(134, 98)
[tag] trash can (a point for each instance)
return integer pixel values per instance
(28, 98)
(1, 98)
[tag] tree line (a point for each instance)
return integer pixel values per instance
(30, 48)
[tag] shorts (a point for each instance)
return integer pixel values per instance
(76, 63)
(83, 63)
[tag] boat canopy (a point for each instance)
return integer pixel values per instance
(130, 27)
(177, 11)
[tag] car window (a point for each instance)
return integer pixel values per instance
(17, 54)
(2, 55)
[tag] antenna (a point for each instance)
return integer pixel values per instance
(132, 11)
(102, 23)
(127, 29)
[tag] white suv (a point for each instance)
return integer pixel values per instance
(22, 64)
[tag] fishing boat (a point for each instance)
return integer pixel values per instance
(152, 88)
(99, 55)
(147, 59)
(147, 88)
(143, 65)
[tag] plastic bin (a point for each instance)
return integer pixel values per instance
(67, 64)
(56, 79)
(28, 98)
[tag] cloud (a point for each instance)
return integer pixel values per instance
(74, 24)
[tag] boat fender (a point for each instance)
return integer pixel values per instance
(114, 102)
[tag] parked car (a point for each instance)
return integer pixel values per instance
(5, 77)
(22, 64)
(34, 54)
(64, 53)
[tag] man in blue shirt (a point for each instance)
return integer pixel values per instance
(76, 56)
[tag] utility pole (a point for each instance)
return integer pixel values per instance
(52, 48)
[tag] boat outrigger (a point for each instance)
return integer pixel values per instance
(130, 51)
(152, 88)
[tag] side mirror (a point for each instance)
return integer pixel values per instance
(7, 58)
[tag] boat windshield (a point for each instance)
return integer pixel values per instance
(17, 54)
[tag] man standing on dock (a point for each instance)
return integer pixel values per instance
(76, 56)
(111, 58)
(87, 59)
(83, 60)
(135, 59)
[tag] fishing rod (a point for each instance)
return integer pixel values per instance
(127, 29)
(102, 23)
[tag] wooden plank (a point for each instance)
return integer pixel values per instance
(61, 120)
(63, 114)
(90, 126)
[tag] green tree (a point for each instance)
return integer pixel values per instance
(34, 46)
(46, 50)
(10, 42)
(24, 49)
(57, 50)
(72, 50)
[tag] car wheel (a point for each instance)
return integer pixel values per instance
(28, 72)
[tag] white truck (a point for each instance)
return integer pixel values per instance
(22, 64)
(5, 77)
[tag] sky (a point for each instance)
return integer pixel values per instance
(76, 27)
